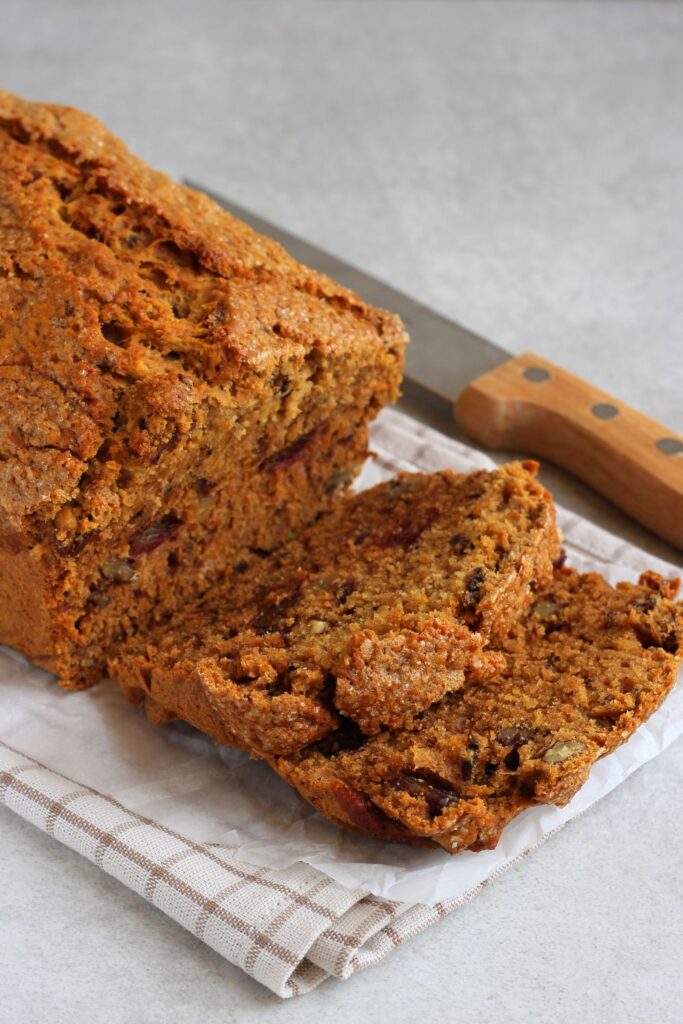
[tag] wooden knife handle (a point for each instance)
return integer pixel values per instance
(528, 404)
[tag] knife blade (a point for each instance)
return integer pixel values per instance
(522, 403)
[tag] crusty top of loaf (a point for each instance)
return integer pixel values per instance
(119, 285)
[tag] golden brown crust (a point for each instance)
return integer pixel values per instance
(584, 669)
(166, 375)
(374, 612)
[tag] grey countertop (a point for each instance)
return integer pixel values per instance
(518, 166)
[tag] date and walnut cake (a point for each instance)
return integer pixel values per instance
(581, 671)
(374, 612)
(175, 390)
(182, 409)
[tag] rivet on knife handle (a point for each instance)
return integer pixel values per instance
(530, 405)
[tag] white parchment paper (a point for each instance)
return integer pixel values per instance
(175, 776)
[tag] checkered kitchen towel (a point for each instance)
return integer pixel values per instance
(288, 929)
(292, 928)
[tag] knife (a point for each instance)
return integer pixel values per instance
(522, 403)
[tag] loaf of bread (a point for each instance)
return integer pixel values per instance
(176, 392)
(582, 670)
(374, 612)
(182, 409)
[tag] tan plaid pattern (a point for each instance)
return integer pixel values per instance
(288, 929)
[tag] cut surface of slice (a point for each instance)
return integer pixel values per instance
(586, 666)
(372, 614)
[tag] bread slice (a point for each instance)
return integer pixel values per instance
(175, 389)
(371, 615)
(586, 666)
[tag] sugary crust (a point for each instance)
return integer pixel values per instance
(585, 668)
(373, 613)
(157, 355)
